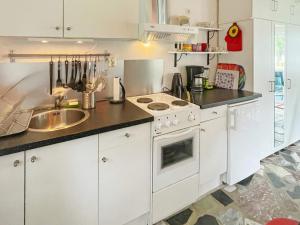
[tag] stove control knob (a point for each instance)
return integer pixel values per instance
(175, 122)
(158, 126)
(168, 123)
(191, 117)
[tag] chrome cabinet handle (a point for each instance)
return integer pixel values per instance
(104, 159)
(17, 163)
(216, 113)
(290, 84)
(127, 135)
(202, 130)
(33, 159)
(57, 28)
(272, 83)
(69, 28)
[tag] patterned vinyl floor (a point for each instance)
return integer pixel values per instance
(272, 192)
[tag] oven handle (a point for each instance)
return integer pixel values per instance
(176, 134)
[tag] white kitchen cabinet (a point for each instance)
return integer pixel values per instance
(237, 10)
(12, 189)
(257, 58)
(124, 175)
(294, 13)
(213, 153)
(101, 18)
(293, 84)
(40, 18)
(62, 183)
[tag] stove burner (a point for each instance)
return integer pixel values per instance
(158, 106)
(144, 100)
(180, 103)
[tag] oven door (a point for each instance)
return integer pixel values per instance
(175, 157)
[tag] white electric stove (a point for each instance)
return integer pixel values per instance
(170, 113)
(175, 150)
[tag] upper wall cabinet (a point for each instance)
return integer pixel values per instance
(39, 18)
(101, 19)
(275, 10)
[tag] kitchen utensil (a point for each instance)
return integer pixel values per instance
(58, 81)
(66, 72)
(119, 91)
(88, 100)
(84, 78)
(79, 86)
(177, 85)
(72, 81)
(51, 75)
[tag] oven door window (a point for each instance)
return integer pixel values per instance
(176, 152)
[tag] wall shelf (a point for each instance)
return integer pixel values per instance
(177, 59)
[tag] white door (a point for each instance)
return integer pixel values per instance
(264, 84)
(101, 18)
(175, 157)
(243, 139)
(31, 18)
(124, 175)
(12, 189)
(62, 183)
(213, 150)
(293, 84)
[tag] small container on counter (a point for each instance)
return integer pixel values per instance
(88, 100)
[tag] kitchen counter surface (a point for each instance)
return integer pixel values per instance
(106, 117)
(217, 97)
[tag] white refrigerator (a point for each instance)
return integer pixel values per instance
(244, 136)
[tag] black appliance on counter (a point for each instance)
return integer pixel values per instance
(195, 78)
(177, 85)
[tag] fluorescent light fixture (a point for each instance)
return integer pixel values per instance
(61, 40)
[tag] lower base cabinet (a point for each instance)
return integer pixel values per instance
(12, 189)
(213, 153)
(124, 175)
(62, 183)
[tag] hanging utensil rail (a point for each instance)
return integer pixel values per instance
(13, 55)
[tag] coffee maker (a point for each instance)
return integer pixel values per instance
(195, 78)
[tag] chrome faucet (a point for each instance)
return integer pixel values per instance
(59, 100)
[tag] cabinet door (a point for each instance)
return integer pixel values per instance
(62, 183)
(101, 18)
(40, 18)
(295, 13)
(265, 9)
(12, 189)
(213, 150)
(293, 84)
(124, 175)
(264, 82)
(276, 10)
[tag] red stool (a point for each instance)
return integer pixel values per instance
(282, 221)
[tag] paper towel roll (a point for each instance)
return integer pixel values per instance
(116, 89)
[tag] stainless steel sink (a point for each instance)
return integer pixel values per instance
(57, 120)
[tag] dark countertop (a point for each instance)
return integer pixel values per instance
(106, 117)
(218, 97)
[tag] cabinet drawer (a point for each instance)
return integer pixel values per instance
(213, 113)
(123, 136)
